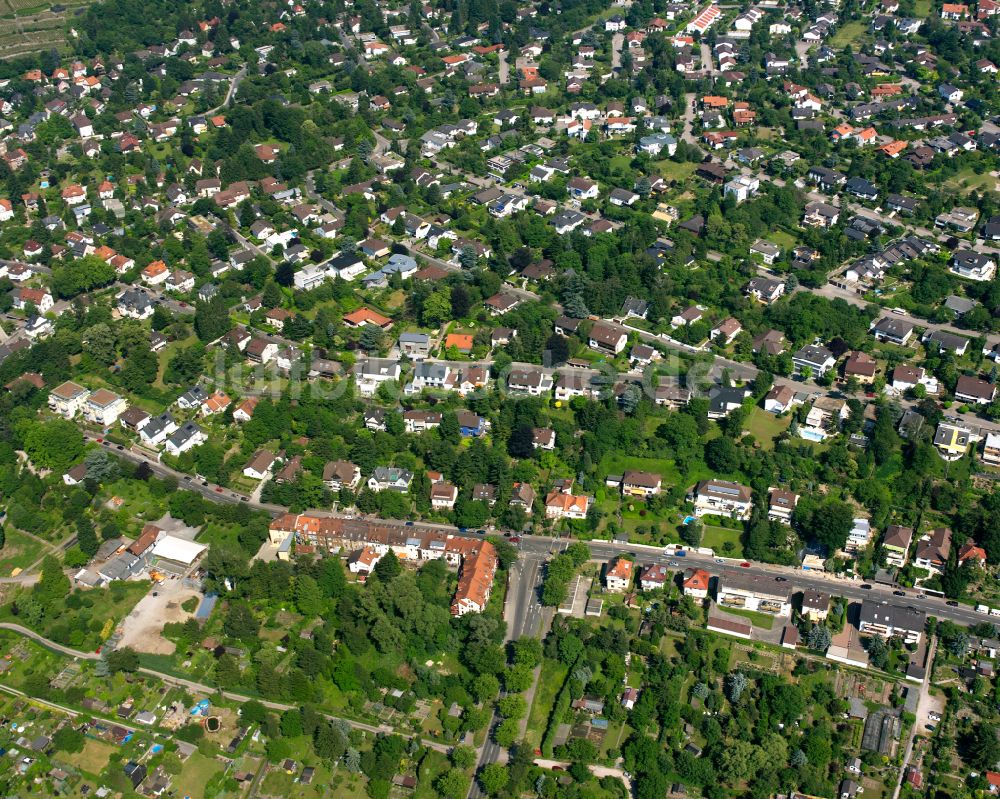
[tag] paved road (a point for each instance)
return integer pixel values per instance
(62, 650)
(707, 64)
(208, 490)
(234, 84)
(245, 243)
(687, 131)
(616, 51)
(540, 547)
(382, 144)
(316, 197)
(504, 67)
(525, 617)
(831, 292)
(797, 578)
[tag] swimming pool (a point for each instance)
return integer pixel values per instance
(812, 435)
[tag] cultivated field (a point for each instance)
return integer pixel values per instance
(28, 26)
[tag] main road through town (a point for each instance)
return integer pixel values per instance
(536, 548)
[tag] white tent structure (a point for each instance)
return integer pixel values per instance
(178, 550)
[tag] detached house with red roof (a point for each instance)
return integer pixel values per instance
(366, 316)
(696, 583)
(155, 273)
(618, 576)
(40, 298)
(559, 505)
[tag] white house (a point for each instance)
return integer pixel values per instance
(68, 399)
(618, 575)
(103, 407)
(607, 338)
(186, 437)
(722, 498)
(260, 465)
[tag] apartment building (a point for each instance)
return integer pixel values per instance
(757, 592)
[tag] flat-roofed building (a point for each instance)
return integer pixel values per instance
(757, 592)
(891, 621)
(67, 399)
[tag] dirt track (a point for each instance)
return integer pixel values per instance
(142, 629)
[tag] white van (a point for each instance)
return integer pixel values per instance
(995, 611)
(982, 608)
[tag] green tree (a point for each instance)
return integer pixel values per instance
(54, 444)
(211, 319)
(53, 584)
(494, 778)
(828, 523)
(271, 296)
(86, 538)
(980, 747)
(68, 739)
(437, 308)
(878, 652)
(240, 622)
(452, 784)
(388, 567)
(463, 757)
(819, 638)
(308, 597)
(721, 455)
(123, 659)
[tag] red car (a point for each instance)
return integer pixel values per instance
(515, 539)
(744, 565)
(218, 490)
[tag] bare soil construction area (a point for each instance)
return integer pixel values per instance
(142, 629)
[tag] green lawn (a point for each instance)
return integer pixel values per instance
(783, 239)
(166, 354)
(849, 33)
(765, 427)
(714, 537)
(431, 766)
(620, 163)
(18, 552)
(139, 502)
(968, 178)
(762, 620)
(93, 758)
(549, 682)
(615, 463)
(676, 171)
(215, 534)
(197, 771)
